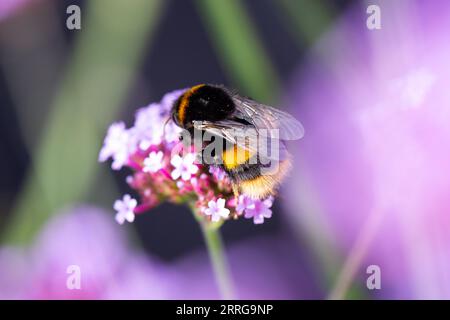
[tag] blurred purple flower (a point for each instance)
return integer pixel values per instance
(376, 105)
(110, 269)
(117, 145)
(85, 237)
(14, 273)
(10, 7)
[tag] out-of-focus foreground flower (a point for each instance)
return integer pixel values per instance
(151, 149)
(87, 238)
(10, 7)
(377, 153)
(110, 268)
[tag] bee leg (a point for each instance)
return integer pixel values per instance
(235, 192)
(236, 198)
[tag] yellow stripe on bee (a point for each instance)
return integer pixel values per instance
(185, 101)
(235, 156)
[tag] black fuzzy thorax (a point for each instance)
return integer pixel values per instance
(208, 103)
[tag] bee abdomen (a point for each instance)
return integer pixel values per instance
(256, 184)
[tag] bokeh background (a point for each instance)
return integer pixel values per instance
(370, 179)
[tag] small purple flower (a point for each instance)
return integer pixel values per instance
(218, 173)
(244, 203)
(153, 162)
(10, 8)
(117, 146)
(217, 210)
(86, 237)
(184, 167)
(259, 210)
(172, 132)
(125, 209)
(148, 126)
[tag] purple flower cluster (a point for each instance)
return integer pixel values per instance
(163, 170)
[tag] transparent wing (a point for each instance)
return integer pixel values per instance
(268, 118)
(246, 137)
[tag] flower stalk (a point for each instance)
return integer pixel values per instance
(217, 256)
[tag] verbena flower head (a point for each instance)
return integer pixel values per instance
(163, 169)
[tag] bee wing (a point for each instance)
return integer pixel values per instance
(246, 137)
(269, 118)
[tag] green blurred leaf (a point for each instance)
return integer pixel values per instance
(110, 45)
(242, 54)
(307, 19)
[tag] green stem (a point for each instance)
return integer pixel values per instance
(218, 259)
(217, 256)
(239, 48)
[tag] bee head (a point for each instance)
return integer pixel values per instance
(209, 103)
(202, 103)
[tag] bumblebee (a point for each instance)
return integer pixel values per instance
(223, 113)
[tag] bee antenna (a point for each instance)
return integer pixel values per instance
(165, 124)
